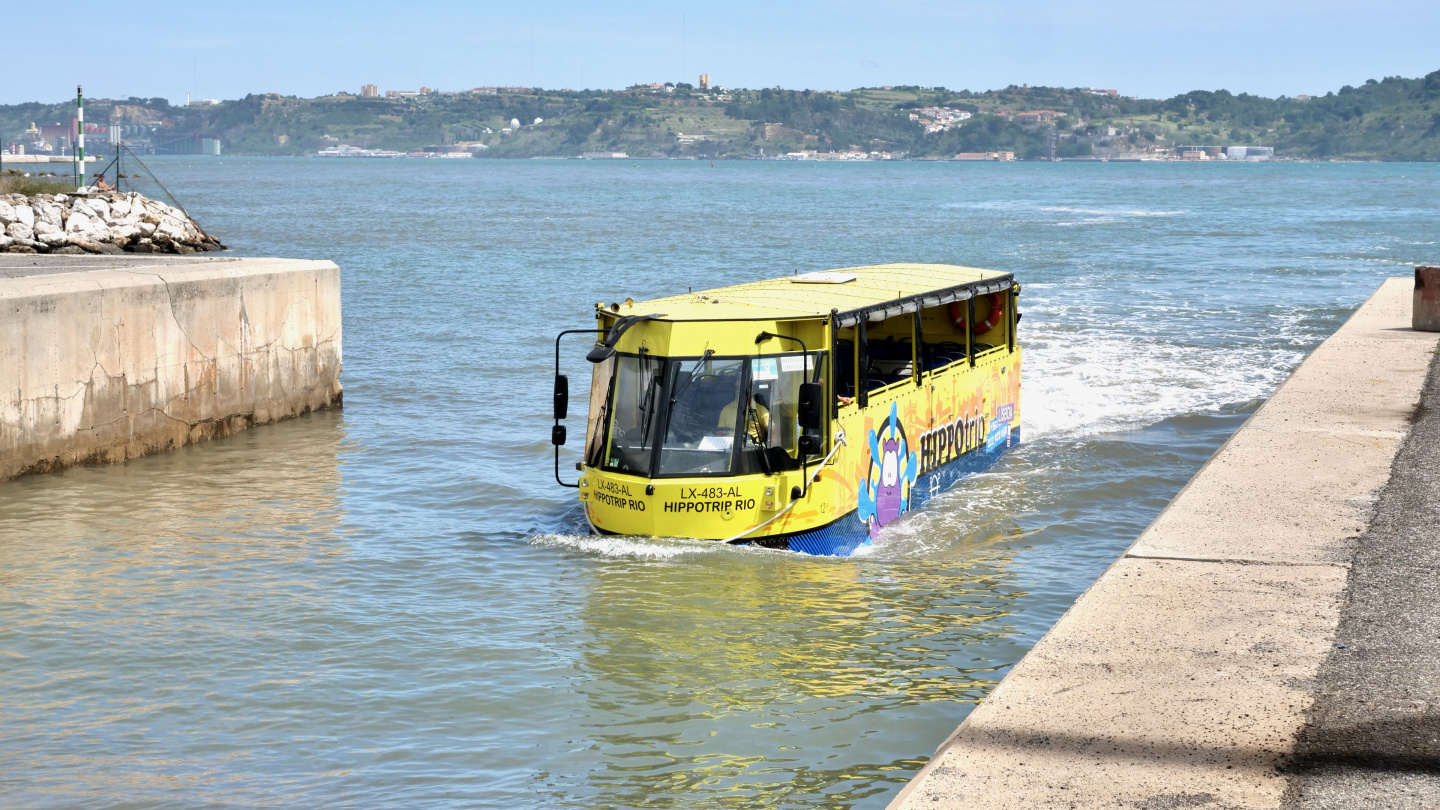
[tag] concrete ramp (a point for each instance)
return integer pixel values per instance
(1183, 676)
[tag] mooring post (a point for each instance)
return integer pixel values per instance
(1426, 317)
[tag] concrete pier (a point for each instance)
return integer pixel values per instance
(105, 358)
(1187, 674)
(7, 160)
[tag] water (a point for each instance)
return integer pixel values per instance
(393, 604)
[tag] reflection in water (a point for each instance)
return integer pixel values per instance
(129, 606)
(707, 676)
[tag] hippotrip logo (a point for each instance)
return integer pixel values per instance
(885, 492)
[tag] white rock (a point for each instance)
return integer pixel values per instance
(41, 226)
(7, 213)
(52, 237)
(19, 230)
(119, 208)
(101, 209)
(25, 215)
(77, 222)
(146, 228)
(48, 212)
(126, 232)
(5, 240)
(101, 234)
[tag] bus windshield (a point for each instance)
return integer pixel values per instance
(717, 416)
(634, 420)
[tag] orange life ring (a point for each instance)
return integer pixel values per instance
(997, 311)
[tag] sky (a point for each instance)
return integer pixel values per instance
(1143, 49)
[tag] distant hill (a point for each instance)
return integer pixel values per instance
(1389, 119)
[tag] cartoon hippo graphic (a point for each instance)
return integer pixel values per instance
(883, 499)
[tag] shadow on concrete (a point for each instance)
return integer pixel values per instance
(1410, 745)
(1126, 749)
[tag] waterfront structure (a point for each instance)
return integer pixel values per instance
(1202, 152)
(985, 156)
(369, 91)
(1250, 153)
(106, 358)
(345, 150)
(60, 137)
(192, 145)
(1216, 657)
(803, 412)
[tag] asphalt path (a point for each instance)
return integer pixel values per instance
(1372, 737)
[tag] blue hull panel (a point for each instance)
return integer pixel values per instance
(844, 536)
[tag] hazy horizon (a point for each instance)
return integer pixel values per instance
(1270, 49)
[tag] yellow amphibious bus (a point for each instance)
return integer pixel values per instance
(804, 412)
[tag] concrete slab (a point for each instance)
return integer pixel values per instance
(106, 364)
(20, 265)
(1078, 722)
(1181, 678)
(1267, 496)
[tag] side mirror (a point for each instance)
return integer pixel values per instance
(812, 405)
(557, 435)
(809, 445)
(562, 397)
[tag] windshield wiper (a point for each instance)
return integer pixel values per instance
(680, 389)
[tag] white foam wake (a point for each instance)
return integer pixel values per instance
(629, 547)
(1110, 212)
(1085, 374)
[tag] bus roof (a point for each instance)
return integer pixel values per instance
(851, 293)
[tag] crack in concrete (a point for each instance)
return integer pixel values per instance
(170, 302)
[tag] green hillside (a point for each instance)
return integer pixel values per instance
(1388, 119)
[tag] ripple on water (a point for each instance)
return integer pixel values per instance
(396, 605)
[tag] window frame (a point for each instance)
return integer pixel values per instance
(672, 365)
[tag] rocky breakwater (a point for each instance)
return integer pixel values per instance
(98, 222)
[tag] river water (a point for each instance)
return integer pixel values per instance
(393, 605)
